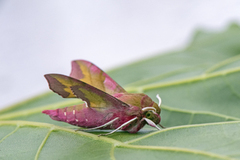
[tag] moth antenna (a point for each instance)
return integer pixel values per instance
(124, 124)
(159, 100)
(149, 109)
(104, 125)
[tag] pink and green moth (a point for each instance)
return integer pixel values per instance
(107, 105)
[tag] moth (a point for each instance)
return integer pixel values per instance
(107, 105)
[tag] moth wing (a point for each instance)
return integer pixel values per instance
(69, 87)
(61, 85)
(91, 74)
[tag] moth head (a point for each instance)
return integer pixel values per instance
(153, 112)
(150, 113)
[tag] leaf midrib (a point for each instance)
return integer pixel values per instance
(115, 143)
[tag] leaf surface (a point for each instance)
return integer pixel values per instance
(200, 91)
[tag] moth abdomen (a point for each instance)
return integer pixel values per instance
(53, 114)
(66, 114)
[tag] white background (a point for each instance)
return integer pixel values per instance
(39, 37)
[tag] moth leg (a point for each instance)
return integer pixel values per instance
(151, 123)
(161, 126)
(124, 124)
(104, 125)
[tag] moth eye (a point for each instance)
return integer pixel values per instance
(148, 114)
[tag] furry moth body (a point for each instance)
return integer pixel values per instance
(107, 105)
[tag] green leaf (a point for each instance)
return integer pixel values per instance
(35, 102)
(29, 140)
(200, 91)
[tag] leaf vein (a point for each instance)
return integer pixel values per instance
(43, 143)
(183, 81)
(222, 63)
(10, 134)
